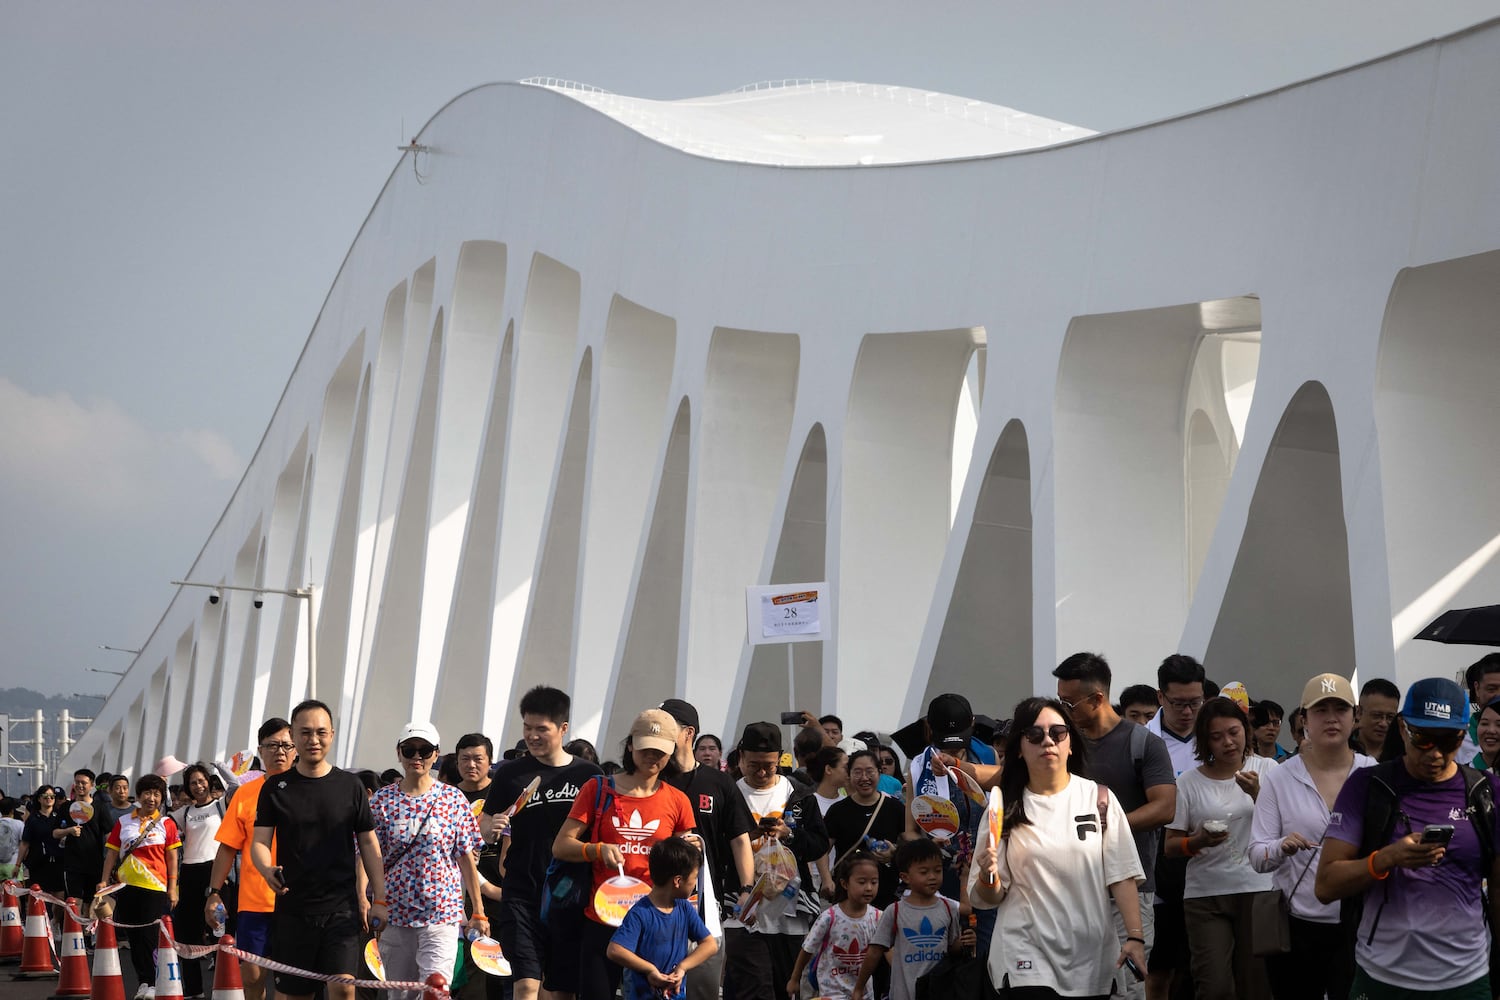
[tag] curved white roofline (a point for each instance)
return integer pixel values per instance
(822, 123)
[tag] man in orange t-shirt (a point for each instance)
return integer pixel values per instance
(236, 832)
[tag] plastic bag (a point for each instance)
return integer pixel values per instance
(776, 882)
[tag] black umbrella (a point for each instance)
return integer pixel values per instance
(1466, 627)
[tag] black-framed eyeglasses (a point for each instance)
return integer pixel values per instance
(757, 765)
(412, 750)
(278, 747)
(1036, 734)
(1444, 740)
(1183, 704)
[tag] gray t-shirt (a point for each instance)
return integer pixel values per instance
(1112, 763)
(917, 938)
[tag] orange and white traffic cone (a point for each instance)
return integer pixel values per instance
(36, 948)
(108, 983)
(11, 935)
(73, 954)
(227, 982)
(168, 968)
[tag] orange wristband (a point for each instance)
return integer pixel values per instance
(587, 856)
(1370, 864)
(377, 902)
(1187, 848)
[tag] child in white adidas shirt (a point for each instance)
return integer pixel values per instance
(840, 937)
(917, 929)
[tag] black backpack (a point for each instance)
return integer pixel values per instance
(1383, 809)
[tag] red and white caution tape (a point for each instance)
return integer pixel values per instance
(193, 951)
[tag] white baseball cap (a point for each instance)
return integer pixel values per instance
(419, 731)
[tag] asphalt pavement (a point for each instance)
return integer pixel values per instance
(12, 988)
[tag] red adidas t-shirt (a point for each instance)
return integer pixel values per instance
(632, 823)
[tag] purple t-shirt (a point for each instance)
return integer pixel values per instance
(1431, 926)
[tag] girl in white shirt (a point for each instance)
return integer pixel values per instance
(1215, 806)
(1291, 816)
(1057, 866)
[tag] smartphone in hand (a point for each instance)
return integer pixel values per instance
(1439, 835)
(791, 718)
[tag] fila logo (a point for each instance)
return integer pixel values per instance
(1328, 685)
(635, 831)
(1087, 823)
(1439, 709)
(1024, 965)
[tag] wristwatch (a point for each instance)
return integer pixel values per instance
(210, 891)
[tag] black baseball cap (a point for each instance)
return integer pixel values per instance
(685, 714)
(761, 737)
(951, 720)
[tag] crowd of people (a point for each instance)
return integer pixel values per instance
(1161, 844)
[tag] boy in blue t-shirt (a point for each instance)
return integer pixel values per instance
(652, 942)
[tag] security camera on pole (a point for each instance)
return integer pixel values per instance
(308, 593)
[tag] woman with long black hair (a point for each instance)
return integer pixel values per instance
(1065, 851)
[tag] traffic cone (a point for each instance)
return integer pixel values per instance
(227, 982)
(168, 968)
(36, 948)
(74, 955)
(108, 984)
(11, 935)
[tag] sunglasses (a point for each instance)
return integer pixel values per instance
(410, 751)
(1449, 741)
(1036, 734)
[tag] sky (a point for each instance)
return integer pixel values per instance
(179, 183)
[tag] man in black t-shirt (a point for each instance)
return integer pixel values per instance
(472, 757)
(317, 814)
(83, 843)
(724, 823)
(525, 840)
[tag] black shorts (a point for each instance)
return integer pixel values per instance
(316, 942)
(535, 950)
(1171, 948)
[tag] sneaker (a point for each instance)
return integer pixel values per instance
(143, 991)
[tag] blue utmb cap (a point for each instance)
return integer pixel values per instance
(1436, 703)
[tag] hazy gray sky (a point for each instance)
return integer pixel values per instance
(179, 183)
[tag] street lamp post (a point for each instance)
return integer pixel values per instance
(308, 593)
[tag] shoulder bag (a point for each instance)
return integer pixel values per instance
(566, 882)
(1271, 916)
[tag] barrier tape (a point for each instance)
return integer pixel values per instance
(195, 951)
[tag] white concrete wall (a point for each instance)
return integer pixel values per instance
(573, 389)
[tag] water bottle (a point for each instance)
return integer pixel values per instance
(221, 916)
(473, 934)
